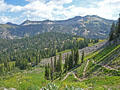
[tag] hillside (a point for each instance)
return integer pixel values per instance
(93, 73)
(100, 70)
(89, 26)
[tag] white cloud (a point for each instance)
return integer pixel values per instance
(106, 9)
(4, 7)
(5, 19)
(54, 9)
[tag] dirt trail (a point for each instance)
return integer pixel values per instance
(108, 67)
(105, 66)
(84, 71)
(67, 75)
(72, 72)
(80, 79)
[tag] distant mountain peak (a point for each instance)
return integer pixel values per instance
(91, 16)
(76, 18)
(28, 22)
(9, 23)
(47, 20)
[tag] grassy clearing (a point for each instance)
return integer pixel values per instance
(62, 52)
(103, 83)
(91, 55)
(92, 44)
(24, 81)
(79, 39)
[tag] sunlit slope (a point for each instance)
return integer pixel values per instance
(106, 62)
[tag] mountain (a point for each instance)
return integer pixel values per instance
(90, 26)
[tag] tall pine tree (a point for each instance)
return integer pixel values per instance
(119, 25)
(76, 52)
(55, 63)
(82, 58)
(66, 62)
(112, 34)
(59, 63)
(51, 69)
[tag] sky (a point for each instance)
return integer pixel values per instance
(17, 11)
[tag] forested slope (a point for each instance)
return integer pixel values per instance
(29, 51)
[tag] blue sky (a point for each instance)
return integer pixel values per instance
(17, 11)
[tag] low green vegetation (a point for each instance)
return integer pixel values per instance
(70, 81)
(104, 83)
(80, 70)
(25, 80)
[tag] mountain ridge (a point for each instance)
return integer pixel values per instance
(73, 19)
(90, 26)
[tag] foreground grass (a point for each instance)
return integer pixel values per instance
(31, 80)
(70, 81)
(34, 80)
(94, 83)
(104, 83)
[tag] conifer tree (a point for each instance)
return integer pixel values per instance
(72, 54)
(39, 58)
(46, 71)
(2, 68)
(66, 62)
(82, 58)
(51, 69)
(77, 57)
(52, 65)
(59, 64)
(115, 31)
(119, 25)
(70, 62)
(112, 32)
(55, 63)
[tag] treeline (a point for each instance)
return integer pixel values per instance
(115, 31)
(28, 52)
(56, 68)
